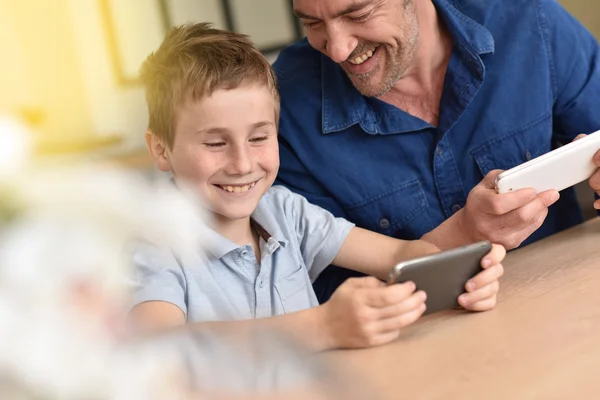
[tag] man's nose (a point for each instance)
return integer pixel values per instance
(340, 44)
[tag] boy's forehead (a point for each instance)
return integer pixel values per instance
(229, 106)
(225, 95)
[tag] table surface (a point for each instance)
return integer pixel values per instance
(541, 341)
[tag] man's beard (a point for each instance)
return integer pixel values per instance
(397, 62)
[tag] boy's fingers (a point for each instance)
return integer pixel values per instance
(467, 299)
(388, 295)
(484, 278)
(400, 321)
(413, 302)
(483, 305)
(384, 338)
(364, 282)
(495, 256)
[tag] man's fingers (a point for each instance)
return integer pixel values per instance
(499, 204)
(413, 302)
(580, 136)
(594, 181)
(529, 213)
(388, 295)
(490, 178)
(597, 159)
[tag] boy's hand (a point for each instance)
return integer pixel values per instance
(483, 288)
(366, 312)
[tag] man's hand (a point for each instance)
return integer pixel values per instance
(481, 290)
(365, 312)
(594, 180)
(507, 219)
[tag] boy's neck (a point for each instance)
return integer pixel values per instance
(239, 231)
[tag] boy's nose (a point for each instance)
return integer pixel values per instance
(240, 162)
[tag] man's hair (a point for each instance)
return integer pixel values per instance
(193, 61)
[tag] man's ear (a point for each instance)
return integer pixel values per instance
(158, 151)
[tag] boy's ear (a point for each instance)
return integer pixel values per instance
(158, 151)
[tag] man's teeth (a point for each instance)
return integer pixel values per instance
(237, 189)
(362, 58)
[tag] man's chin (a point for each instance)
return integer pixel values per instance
(370, 89)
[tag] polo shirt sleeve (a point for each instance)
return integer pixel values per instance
(319, 234)
(575, 62)
(157, 276)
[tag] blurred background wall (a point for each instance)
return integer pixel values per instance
(69, 67)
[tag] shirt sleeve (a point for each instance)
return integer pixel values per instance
(157, 276)
(319, 233)
(575, 63)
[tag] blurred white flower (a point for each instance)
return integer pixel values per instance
(64, 272)
(64, 280)
(15, 151)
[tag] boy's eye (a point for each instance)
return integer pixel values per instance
(259, 139)
(215, 144)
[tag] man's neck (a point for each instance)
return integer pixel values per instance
(432, 55)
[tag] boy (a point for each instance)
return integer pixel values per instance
(214, 110)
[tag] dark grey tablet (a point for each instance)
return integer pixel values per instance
(442, 275)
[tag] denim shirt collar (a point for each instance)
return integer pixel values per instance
(344, 106)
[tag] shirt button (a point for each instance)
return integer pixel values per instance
(261, 283)
(456, 208)
(439, 151)
(384, 223)
(527, 155)
(245, 253)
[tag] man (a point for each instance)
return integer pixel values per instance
(399, 114)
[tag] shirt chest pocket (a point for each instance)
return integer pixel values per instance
(506, 151)
(400, 212)
(295, 291)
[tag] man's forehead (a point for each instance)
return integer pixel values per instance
(332, 8)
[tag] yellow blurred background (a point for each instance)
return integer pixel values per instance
(69, 67)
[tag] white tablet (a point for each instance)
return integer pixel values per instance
(558, 169)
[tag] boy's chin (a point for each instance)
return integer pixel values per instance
(234, 215)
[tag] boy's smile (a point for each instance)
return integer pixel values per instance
(226, 147)
(237, 188)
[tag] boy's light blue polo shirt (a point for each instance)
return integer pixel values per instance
(225, 282)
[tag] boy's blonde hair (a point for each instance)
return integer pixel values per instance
(193, 61)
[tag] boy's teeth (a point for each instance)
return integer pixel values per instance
(238, 189)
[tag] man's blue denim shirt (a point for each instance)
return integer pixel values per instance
(523, 78)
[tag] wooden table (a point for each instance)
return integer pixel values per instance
(541, 341)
